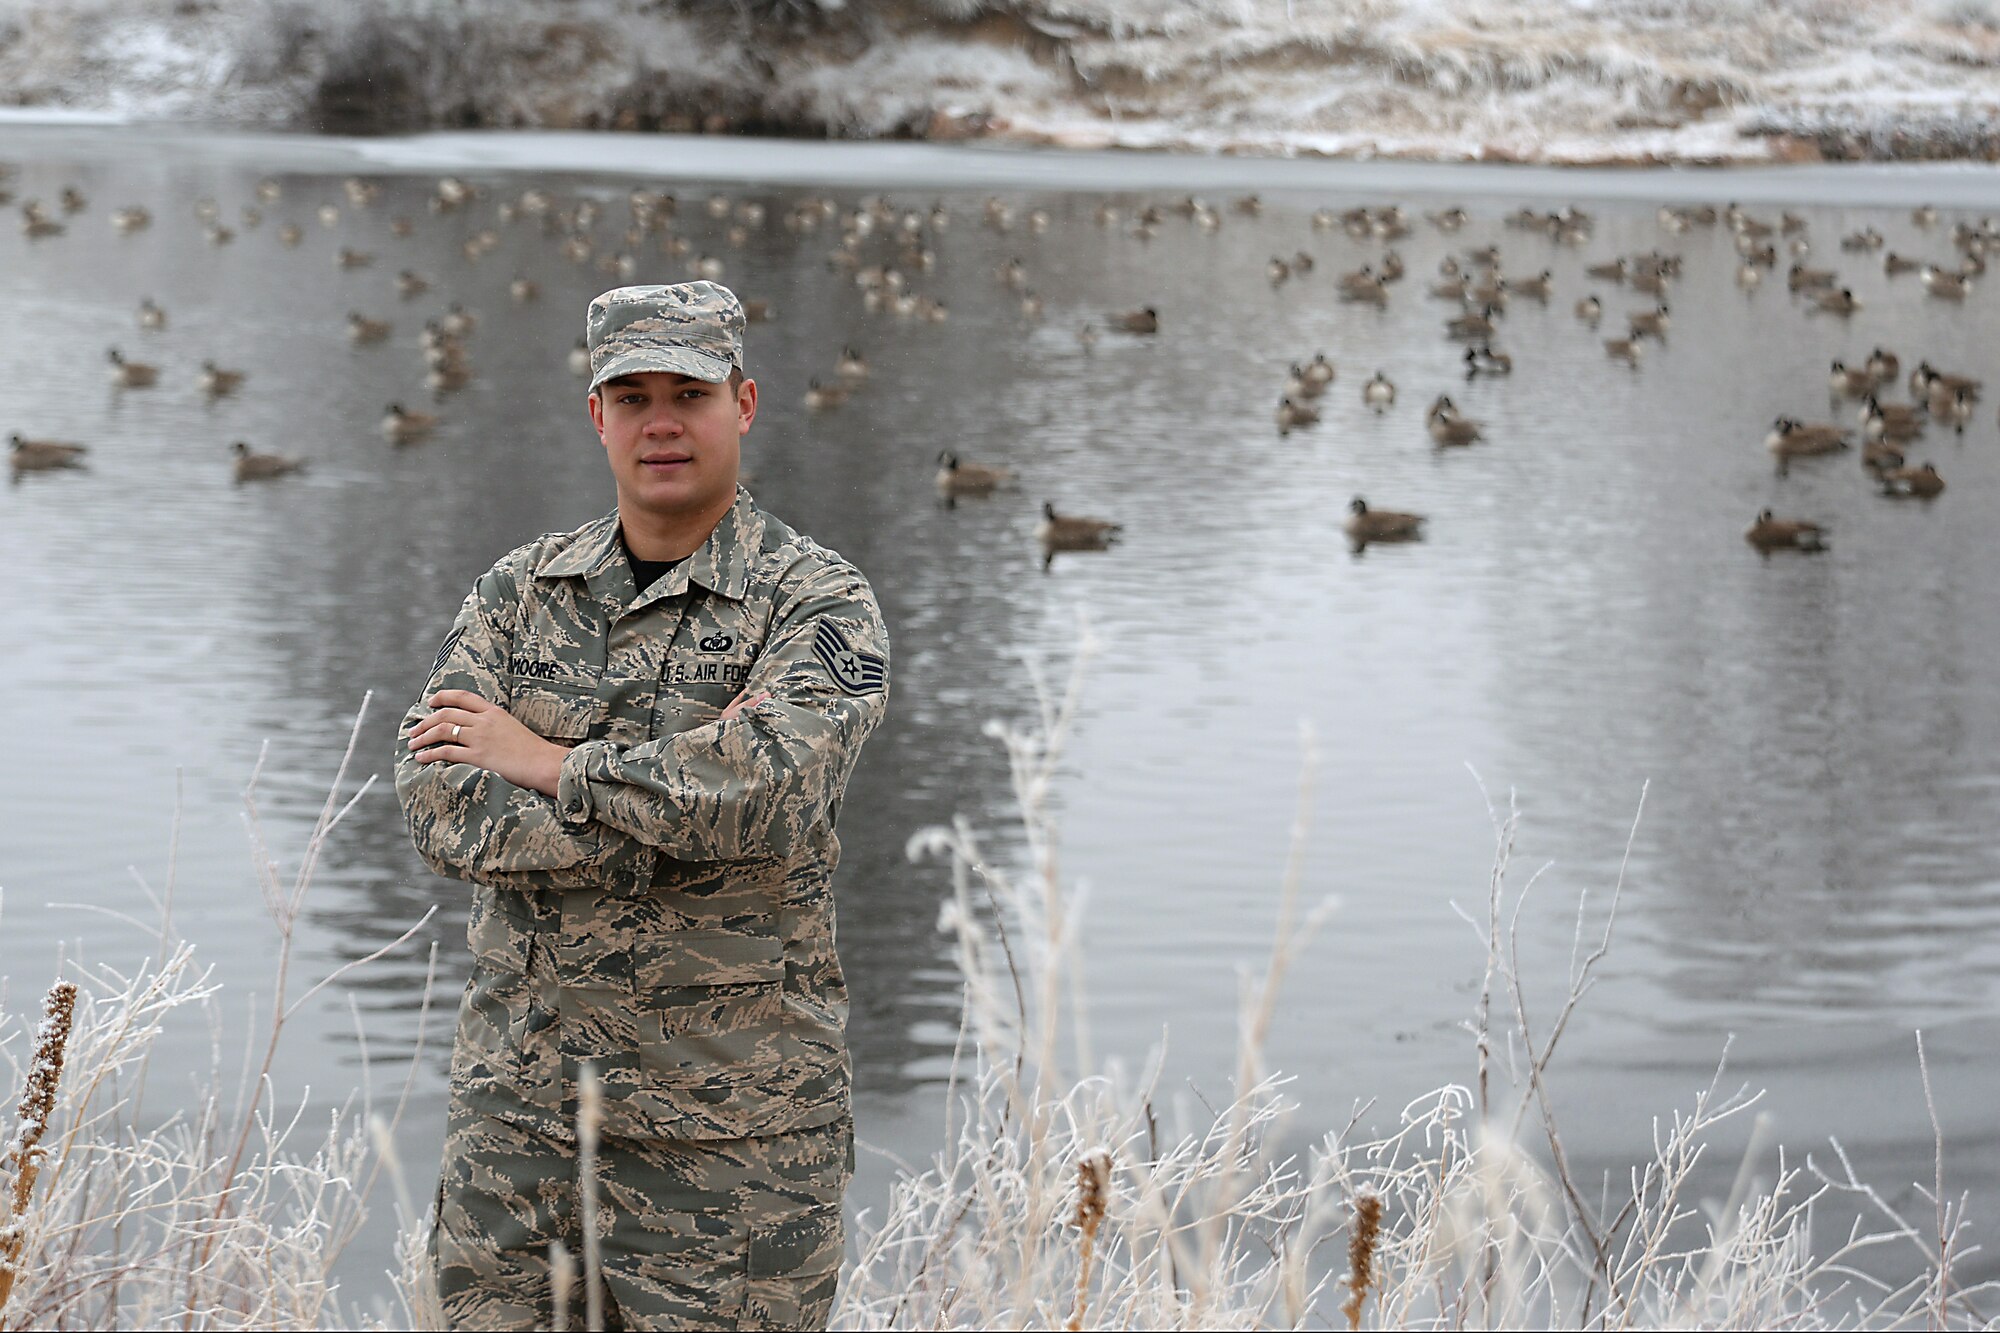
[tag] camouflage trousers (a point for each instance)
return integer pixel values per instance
(695, 1234)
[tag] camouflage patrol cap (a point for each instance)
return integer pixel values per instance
(688, 328)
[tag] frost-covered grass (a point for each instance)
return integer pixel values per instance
(1559, 80)
(1067, 1195)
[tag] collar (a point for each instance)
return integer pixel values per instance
(721, 564)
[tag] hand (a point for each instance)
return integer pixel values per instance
(742, 704)
(467, 729)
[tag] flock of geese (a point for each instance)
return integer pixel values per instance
(888, 252)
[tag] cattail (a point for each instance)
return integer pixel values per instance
(1093, 1188)
(589, 1123)
(562, 1279)
(38, 1104)
(1362, 1238)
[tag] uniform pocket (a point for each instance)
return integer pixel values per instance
(794, 1271)
(712, 1007)
(557, 710)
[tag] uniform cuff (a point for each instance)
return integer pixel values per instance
(573, 783)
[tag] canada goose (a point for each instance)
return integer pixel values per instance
(1883, 367)
(1450, 430)
(1612, 272)
(151, 317)
(756, 311)
(410, 283)
(1866, 239)
(1378, 392)
(1840, 302)
(1624, 349)
(290, 234)
(1945, 286)
(1357, 279)
(1590, 310)
(1277, 270)
(328, 215)
(43, 455)
(1290, 415)
(852, 365)
(1649, 323)
(1318, 372)
(361, 329)
(1769, 533)
(1451, 289)
(1371, 291)
(1086, 338)
(1850, 382)
(1951, 406)
(1924, 215)
(1031, 306)
(1485, 257)
(1651, 284)
(257, 467)
(579, 359)
(1536, 288)
(37, 225)
(131, 374)
(130, 219)
(1471, 325)
(402, 427)
(1073, 532)
(709, 267)
(448, 375)
(348, 258)
(1144, 320)
(1302, 263)
(1298, 387)
(1490, 291)
(1748, 275)
(1450, 220)
(1893, 264)
(1483, 360)
(1392, 267)
(1789, 439)
(458, 321)
(215, 381)
(822, 396)
(1363, 525)
(956, 478)
(1922, 482)
(1926, 380)
(1880, 455)
(1799, 278)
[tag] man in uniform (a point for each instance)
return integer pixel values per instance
(634, 743)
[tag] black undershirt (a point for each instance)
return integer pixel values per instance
(646, 572)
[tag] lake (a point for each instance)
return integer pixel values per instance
(1815, 876)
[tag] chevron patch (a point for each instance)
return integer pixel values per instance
(857, 672)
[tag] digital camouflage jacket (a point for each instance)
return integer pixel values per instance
(666, 915)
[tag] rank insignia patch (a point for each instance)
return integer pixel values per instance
(857, 672)
(450, 642)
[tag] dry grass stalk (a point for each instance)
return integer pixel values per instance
(562, 1284)
(38, 1104)
(1364, 1234)
(1093, 1193)
(589, 1127)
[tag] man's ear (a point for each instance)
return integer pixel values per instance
(596, 405)
(746, 406)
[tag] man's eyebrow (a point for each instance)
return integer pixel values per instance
(622, 382)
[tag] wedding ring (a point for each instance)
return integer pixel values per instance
(455, 729)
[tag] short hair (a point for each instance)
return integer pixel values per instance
(735, 382)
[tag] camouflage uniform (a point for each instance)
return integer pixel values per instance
(665, 916)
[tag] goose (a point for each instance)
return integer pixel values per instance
(1378, 392)
(1291, 415)
(328, 215)
(819, 396)
(43, 455)
(1945, 286)
(1650, 284)
(1471, 325)
(1893, 421)
(1770, 533)
(458, 321)
(37, 225)
(130, 219)
(1893, 264)
(959, 478)
(1486, 257)
(1074, 532)
(1649, 323)
(252, 466)
(1790, 223)
(1536, 288)
(1373, 292)
(1448, 429)
(1844, 381)
(1492, 291)
(1450, 289)
(1590, 310)
(1924, 215)
(1883, 366)
(1799, 278)
(448, 377)
(1364, 525)
(348, 258)
(1926, 378)
(151, 317)
(215, 381)
(218, 234)
(1318, 372)
(72, 199)
(1624, 349)
(709, 267)
(1922, 482)
(1879, 456)
(1761, 256)
(1031, 306)
(1789, 439)
(1615, 271)
(1302, 263)
(524, 290)
(1392, 266)
(402, 427)
(290, 234)
(361, 329)
(1143, 320)
(852, 365)
(1277, 270)
(269, 190)
(131, 374)
(756, 311)
(1953, 406)
(1866, 239)
(1298, 387)
(1840, 302)
(579, 359)
(1448, 221)
(1483, 360)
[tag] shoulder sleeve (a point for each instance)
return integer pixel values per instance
(766, 782)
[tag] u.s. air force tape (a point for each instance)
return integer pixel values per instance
(450, 642)
(857, 672)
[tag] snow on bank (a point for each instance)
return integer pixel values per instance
(1570, 81)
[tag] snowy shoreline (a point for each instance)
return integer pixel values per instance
(1608, 83)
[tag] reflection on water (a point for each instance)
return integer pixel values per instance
(1815, 872)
